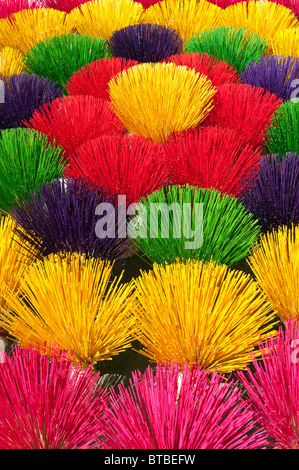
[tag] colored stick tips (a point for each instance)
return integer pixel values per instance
(291, 4)
(211, 315)
(157, 100)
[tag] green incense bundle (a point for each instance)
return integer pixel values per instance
(282, 135)
(232, 44)
(59, 57)
(27, 161)
(183, 222)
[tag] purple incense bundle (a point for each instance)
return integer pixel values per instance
(145, 43)
(275, 74)
(66, 216)
(23, 94)
(62, 5)
(271, 191)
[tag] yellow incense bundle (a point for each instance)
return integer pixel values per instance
(24, 29)
(286, 42)
(11, 62)
(71, 302)
(156, 100)
(188, 17)
(101, 18)
(201, 312)
(14, 259)
(264, 18)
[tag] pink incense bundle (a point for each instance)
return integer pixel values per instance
(273, 386)
(121, 165)
(9, 7)
(225, 3)
(218, 71)
(48, 404)
(147, 3)
(73, 120)
(93, 78)
(210, 157)
(245, 108)
(291, 4)
(62, 5)
(179, 409)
